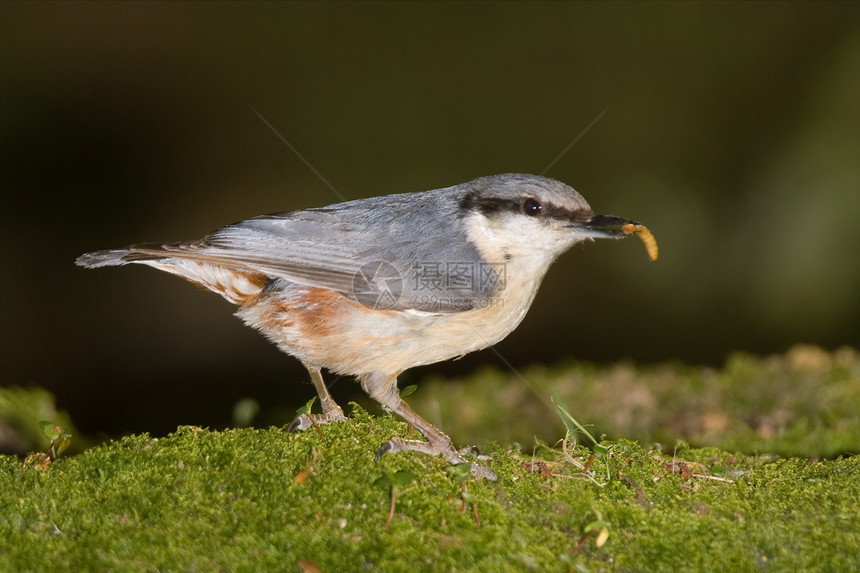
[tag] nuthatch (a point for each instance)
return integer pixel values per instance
(375, 286)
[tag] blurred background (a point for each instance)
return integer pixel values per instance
(731, 129)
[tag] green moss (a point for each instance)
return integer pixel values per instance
(198, 500)
(266, 500)
(804, 403)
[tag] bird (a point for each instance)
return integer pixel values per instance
(372, 287)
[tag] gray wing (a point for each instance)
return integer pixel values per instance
(406, 251)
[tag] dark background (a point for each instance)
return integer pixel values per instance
(731, 129)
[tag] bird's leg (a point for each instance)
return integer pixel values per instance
(383, 389)
(331, 411)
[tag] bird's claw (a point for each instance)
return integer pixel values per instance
(395, 445)
(305, 421)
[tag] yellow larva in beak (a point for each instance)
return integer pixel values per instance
(646, 236)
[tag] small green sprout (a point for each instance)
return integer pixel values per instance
(408, 390)
(462, 473)
(60, 438)
(573, 427)
(306, 409)
(570, 423)
(599, 527)
(394, 481)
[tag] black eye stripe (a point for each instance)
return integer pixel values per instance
(493, 205)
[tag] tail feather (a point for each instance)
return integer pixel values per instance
(97, 259)
(134, 254)
(234, 283)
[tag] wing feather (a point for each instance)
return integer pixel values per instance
(329, 247)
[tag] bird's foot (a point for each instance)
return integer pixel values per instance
(395, 445)
(305, 421)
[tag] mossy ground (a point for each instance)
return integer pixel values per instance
(803, 403)
(267, 500)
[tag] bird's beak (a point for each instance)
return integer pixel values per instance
(612, 227)
(605, 227)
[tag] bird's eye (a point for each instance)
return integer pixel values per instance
(531, 207)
